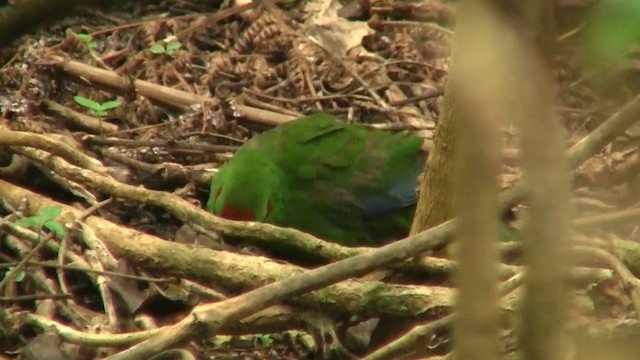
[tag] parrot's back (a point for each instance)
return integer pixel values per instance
(347, 183)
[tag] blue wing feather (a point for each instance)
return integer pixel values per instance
(401, 195)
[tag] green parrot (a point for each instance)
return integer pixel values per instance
(346, 183)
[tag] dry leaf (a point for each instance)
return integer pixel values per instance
(333, 32)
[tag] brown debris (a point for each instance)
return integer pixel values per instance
(238, 70)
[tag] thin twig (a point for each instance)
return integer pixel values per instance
(630, 283)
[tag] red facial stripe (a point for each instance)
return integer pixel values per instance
(233, 213)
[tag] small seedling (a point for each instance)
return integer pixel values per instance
(44, 218)
(18, 277)
(168, 49)
(97, 108)
(88, 40)
(265, 339)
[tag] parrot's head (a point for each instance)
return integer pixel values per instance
(245, 189)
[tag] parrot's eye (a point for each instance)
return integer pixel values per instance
(269, 208)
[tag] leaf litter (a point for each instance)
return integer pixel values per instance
(247, 68)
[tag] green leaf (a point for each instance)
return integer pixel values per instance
(48, 213)
(100, 113)
(88, 103)
(112, 104)
(265, 340)
(55, 227)
(221, 340)
(172, 47)
(18, 277)
(31, 221)
(157, 49)
(85, 37)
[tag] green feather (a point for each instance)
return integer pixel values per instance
(324, 177)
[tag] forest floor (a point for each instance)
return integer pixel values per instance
(158, 94)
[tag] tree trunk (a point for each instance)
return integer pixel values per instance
(436, 186)
(434, 205)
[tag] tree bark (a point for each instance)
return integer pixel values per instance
(535, 19)
(436, 186)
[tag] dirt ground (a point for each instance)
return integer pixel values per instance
(185, 83)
